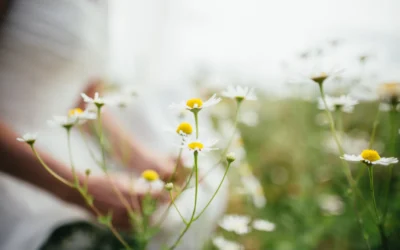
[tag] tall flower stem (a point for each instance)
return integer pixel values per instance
(353, 188)
(378, 218)
(215, 193)
(75, 176)
(371, 141)
(196, 170)
(50, 171)
(196, 121)
(238, 105)
(120, 196)
(393, 134)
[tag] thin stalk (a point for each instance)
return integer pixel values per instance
(215, 193)
(378, 218)
(195, 202)
(196, 120)
(176, 165)
(123, 200)
(176, 208)
(75, 176)
(393, 135)
(88, 147)
(48, 169)
(371, 141)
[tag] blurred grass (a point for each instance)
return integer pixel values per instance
(289, 142)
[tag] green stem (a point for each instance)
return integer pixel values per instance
(378, 218)
(371, 141)
(176, 208)
(48, 169)
(196, 121)
(88, 147)
(195, 203)
(176, 165)
(215, 193)
(393, 135)
(101, 135)
(75, 176)
(233, 132)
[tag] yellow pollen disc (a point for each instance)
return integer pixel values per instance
(150, 175)
(184, 127)
(370, 155)
(196, 145)
(194, 103)
(75, 111)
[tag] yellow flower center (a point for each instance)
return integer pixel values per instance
(194, 103)
(150, 175)
(184, 127)
(370, 155)
(75, 111)
(196, 145)
(320, 78)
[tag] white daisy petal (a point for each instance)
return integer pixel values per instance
(28, 137)
(238, 224)
(223, 244)
(263, 225)
(239, 93)
(343, 103)
(351, 157)
(386, 161)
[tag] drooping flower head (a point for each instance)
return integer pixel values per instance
(196, 104)
(29, 138)
(239, 93)
(370, 157)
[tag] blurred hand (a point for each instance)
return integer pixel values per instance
(106, 199)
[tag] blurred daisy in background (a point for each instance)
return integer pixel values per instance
(149, 182)
(342, 103)
(331, 204)
(223, 244)
(239, 93)
(196, 103)
(263, 225)
(74, 117)
(238, 224)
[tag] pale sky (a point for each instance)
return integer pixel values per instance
(251, 39)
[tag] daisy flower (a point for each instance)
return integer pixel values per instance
(263, 225)
(343, 103)
(199, 145)
(370, 157)
(29, 138)
(318, 77)
(223, 244)
(238, 224)
(149, 182)
(75, 116)
(184, 129)
(196, 104)
(239, 93)
(390, 93)
(96, 100)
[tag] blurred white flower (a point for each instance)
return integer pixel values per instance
(249, 118)
(196, 104)
(263, 225)
(149, 182)
(75, 116)
(97, 100)
(238, 224)
(331, 204)
(199, 145)
(239, 93)
(343, 103)
(390, 93)
(29, 138)
(252, 186)
(369, 157)
(223, 244)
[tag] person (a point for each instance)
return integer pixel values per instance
(48, 49)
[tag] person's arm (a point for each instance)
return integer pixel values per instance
(18, 160)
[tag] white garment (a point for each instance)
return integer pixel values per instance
(48, 50)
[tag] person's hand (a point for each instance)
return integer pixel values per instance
(107, 200)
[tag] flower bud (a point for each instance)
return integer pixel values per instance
(169, 186)
(230, 157)
(87, 172)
